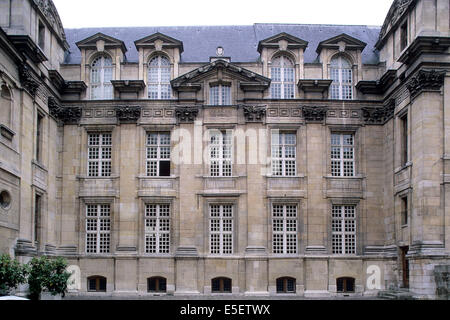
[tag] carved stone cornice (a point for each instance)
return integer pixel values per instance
(396, 12)
(379, 115)
(67, 115)
(314, 85)
(27, 46)
(314, 114)
(186, 114)
(48, 9)
(28, 81)
(426, 80)
(128, 114)
(254, 113)
(128, 85)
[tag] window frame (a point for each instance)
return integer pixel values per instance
(285, 285)
(158, 232)
(221, 164)
(284, 85)
(98, 280)
(341, 233)
(106, 89)
(159, 159)
(157, 284)
(341, 161)
(283, 160)
(40, 131)
(102, 149)
(160, 82)
(284, 233)
(224, 97)
(339, 83)
(222, 284)
(98, 232)
(222, 250)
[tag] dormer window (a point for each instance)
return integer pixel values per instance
(159, 73)
(342, 76)
(101, 76)
(283, 78)
(220, 95)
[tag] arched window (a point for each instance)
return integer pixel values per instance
(159, 73)
(5, 106)
(221, 285)
(286, 285)
(101, 76)
(283, 78)
(96, 284)
(342, 76)
(345, 285)
(157, 284)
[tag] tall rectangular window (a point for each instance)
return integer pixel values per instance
(41, 35)
(284, 153)
(99, 154)
(98, 228)
(37, 216)
(220, 95)
(157, 228)
(404, 139)
(39, 136)
(221, 229)
(284, 229)
(343, 229)
(404, 210)
(220, 152)
(403, 36)
(342, 155)
(158, 154)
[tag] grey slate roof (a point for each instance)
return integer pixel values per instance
(239, 42)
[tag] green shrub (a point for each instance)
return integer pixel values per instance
(12, 274)
(47, 275)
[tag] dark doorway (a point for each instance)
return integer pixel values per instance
(345, 285)
(405, 266)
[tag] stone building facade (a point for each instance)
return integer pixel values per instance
(308, 160)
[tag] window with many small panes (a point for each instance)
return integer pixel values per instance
(220, 95)
(220, 152)
(284, 153)
(101, 76)
(99, 154)
(286, 285)
(284, 229)
(157, 228)
(221, 285)
(159, 74)
(342, 75)
(221, 229)
(158, 154)
(283, 78)
(98, 228)
(342, 155)
(343, 229)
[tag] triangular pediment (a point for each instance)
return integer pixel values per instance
(277, 41)
(211, 70)
(162, 39)
(109, 42)
(335, 43)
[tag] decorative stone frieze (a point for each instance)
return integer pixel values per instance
(28, 81)
(128, 114)
(254, 113)
(186, 114)
(68, 115)
(314, 114)
(426, 80)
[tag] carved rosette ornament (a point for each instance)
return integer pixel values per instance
(67, 115)
(429, 80)
(27, 80)
(127, 114)
(186, 114)
(254, 113)
(314, 114)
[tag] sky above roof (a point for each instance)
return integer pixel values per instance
(139, 13)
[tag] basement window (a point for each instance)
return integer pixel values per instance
(345, 285)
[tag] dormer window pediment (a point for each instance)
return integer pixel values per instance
(342, 42)
(283, 42)
(158, 42)
(100, 42)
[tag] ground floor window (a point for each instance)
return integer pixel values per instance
(221, 285)
(97, 284)
(345, 285)
(286, 285)
(156, 284)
